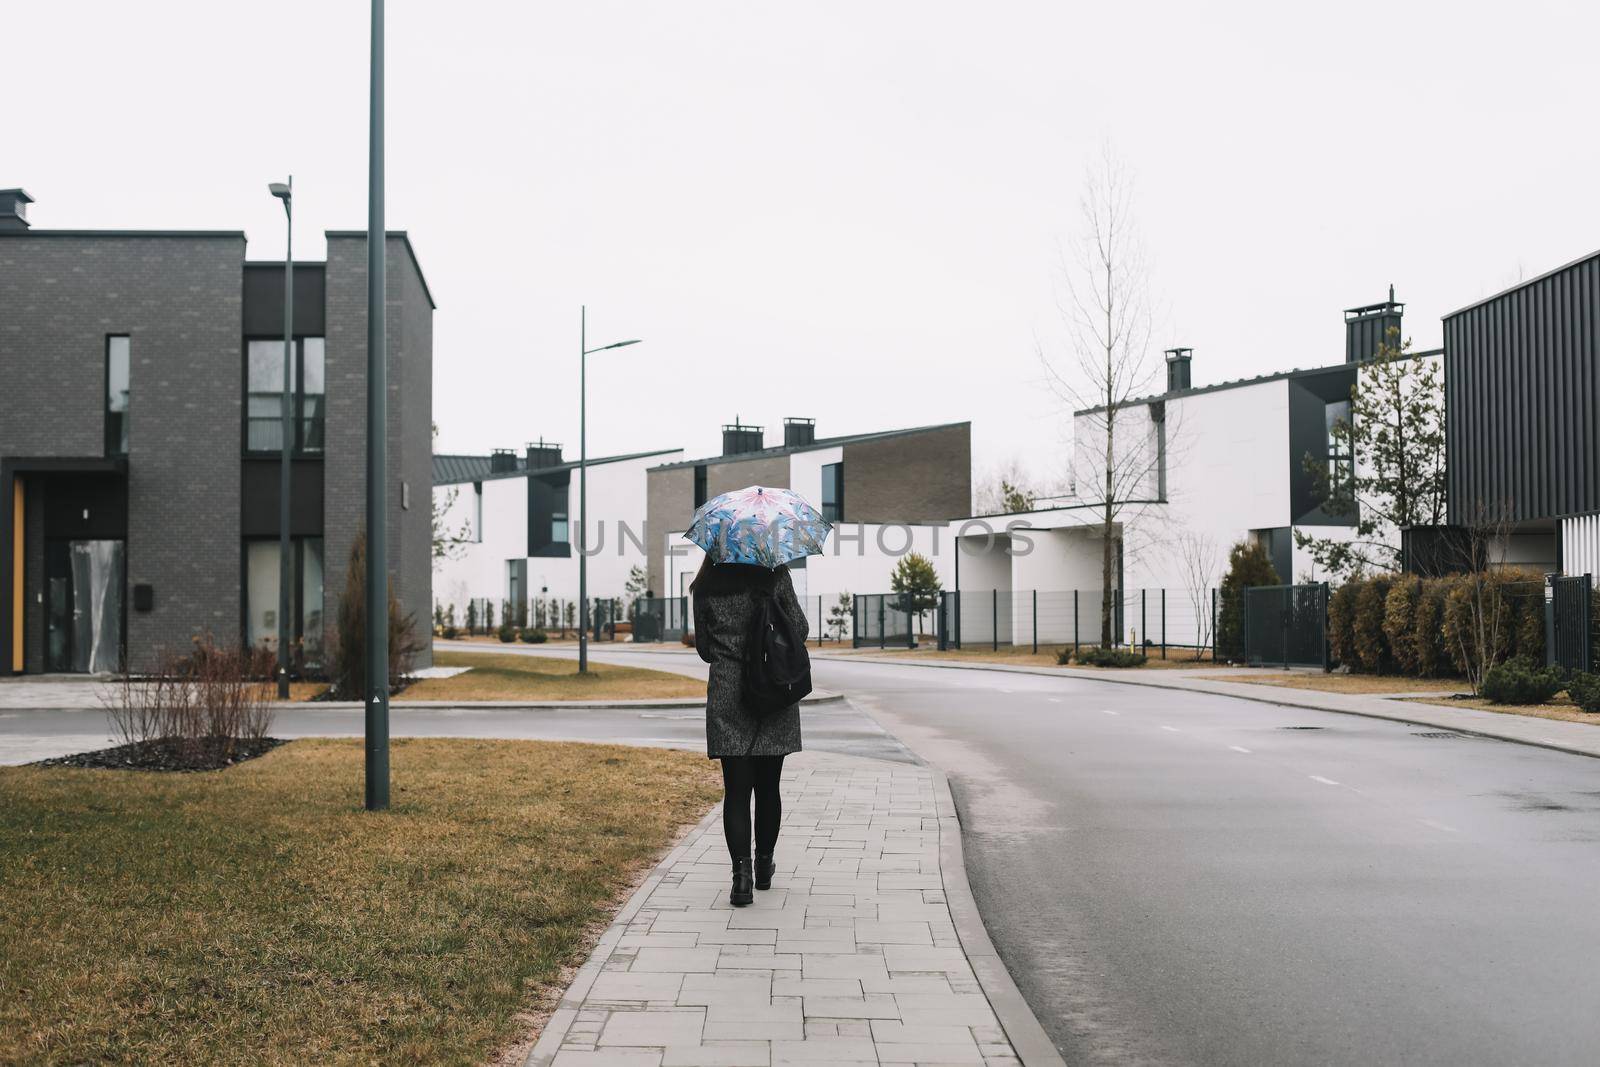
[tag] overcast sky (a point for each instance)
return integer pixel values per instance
(850, 211)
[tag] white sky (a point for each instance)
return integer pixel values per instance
(849, 211)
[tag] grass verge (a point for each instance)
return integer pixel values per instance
(510, 676)
(1561, 708)
(1024, 656)
(1357, 684)
(257, 915)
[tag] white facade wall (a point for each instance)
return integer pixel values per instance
(1580, 545)
(615, 537)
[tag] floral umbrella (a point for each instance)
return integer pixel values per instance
(767, 527)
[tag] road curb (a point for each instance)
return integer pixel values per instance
(1285, 697)
(1032, 1045)
(819, 697)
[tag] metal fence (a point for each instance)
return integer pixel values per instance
(1285, 625)
(1568, 621)
(660, 618)
(1157, 620)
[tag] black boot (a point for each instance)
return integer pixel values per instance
(763, 870)
(743, 891)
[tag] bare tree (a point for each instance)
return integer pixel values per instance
(1197, 556)
(1007, 488)
(1119, 440)
(1483, 632)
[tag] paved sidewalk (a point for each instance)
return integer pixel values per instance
(851, 957)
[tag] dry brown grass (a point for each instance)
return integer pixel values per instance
(1561, 708)
(1359, 684)
(510, 676)
(258, 915)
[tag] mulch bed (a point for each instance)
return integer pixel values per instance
(169, 754)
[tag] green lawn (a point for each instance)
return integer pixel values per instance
(258, 915)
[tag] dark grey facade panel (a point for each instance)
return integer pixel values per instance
(263, 299)
(1523, 395)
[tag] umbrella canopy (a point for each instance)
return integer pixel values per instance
(767, 527)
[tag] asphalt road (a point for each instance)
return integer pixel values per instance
(1180, 878)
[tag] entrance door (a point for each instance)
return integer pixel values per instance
(83, 616)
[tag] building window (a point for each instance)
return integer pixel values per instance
(1158, 434)
(261, 595)
(1341, 460)
(477, 512)
(117, 371)
(264, 393)
(699, 485)
(833, 492)
(558, 521)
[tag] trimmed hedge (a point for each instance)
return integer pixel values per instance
(1584, 689)
(1095, 656)
(1424, 626)
(1520, 680)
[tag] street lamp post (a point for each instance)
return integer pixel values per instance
(584, 352)
(377, 581)
(285, 192)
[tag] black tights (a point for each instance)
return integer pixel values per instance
(742, 776)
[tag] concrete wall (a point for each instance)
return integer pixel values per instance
(179, 299)
(409, 331)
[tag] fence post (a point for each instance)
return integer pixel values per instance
(1036, 622)
(1214, 634)
(1323, 608)
(1288, 621)
(1163, 622)
(994, 620)
(881, 639)
(1144, 618)
(1075, 622)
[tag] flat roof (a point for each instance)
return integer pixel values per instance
(455, 468)
(239, 234)
(412, 252)
(1520, 285)
(821, 442)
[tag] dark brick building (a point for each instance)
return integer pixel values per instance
(140, 436)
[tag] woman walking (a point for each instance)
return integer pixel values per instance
(751, 747)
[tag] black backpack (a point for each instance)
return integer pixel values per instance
(777, 668)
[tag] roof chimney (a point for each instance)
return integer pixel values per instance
(739, 438)
(14, 209)
(799, 432)
(1178, 368)
(1367, 327)
(542, 453)
(502, 460)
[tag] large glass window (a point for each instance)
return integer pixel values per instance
(118, 355)
(1341, 460)
(261, 595)
(264, 393)
(833, 492)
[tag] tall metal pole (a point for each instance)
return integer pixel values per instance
(285, 571)
(583, 490)
(377, 613)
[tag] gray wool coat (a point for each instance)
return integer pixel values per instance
(721, 617)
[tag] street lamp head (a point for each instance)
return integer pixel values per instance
(619, 344)
(280, 190)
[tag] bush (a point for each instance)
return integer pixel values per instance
(506, 634)
(1520, 680)
(1248, 566)
(348, 654)
(1095, 656)
(1584, 689)
(1371, 645)
(210, 699)
(687, 638)
(1342, 622)
(1428, 627)
(450, 633)
(534, 637)
(1400, 622)
(1528, 637)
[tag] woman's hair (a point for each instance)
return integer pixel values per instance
(715, 577)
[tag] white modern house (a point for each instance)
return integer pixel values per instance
(1200, 468)
(887, 493)
(511, 521)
